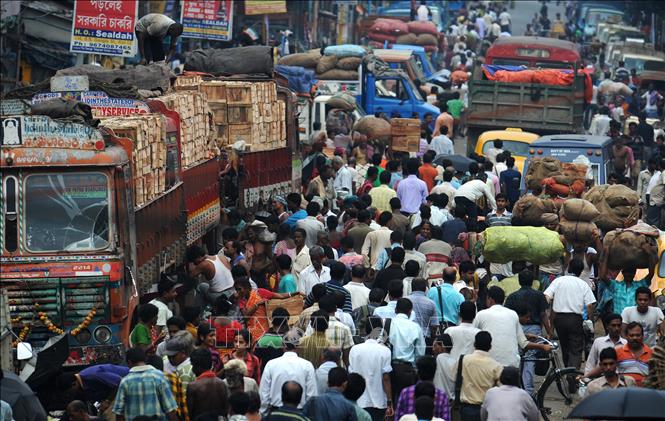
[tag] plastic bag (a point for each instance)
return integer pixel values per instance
(537, 245)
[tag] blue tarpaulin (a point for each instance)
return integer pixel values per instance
(300, 79)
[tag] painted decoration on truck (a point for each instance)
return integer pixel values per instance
(212, 20)
(104, 27)
(102, 105)
(42, 132)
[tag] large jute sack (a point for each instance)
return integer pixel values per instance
(579, 210)
(309, 59)
(617, 204)
(426, 39)
(349, 63)
(423, 27)
(338, 74)
(625, 249)
(389, 26)
(326, 63)
(528, 208)
(381, 37)
(374, 128)
(577, 230)
(408, 39)
(343, 101)
(540, 168)
(537, 245)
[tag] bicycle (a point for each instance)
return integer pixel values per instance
(564, 378)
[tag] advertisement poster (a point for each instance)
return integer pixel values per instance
(104, 27)
(264, 7)
(211, 20)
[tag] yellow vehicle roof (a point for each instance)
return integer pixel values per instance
(508, 134)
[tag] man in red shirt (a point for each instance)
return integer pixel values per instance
(633, 358)
(427, 172)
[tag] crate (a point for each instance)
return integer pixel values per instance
(239, 93)
(238, 132)
(214, 90)
(405, 127)
(406, 143)
(240, 114)
(219, 112)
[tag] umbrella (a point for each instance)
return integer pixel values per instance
(48, 361)
(632, 403)
(460, 162)
(21, 398)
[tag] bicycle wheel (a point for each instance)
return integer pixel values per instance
(559, 398)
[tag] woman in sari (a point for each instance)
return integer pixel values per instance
(252, 306)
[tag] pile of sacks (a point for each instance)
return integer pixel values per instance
(618, 206)
(575, 222)
(556, 179)
(529, 208)
(395, 31)
(635, 247)
(338, 62)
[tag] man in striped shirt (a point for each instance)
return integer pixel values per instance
(500, 217)
(633, 358)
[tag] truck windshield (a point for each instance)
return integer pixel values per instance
(66, 212)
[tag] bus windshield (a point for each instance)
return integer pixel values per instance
(66, 212)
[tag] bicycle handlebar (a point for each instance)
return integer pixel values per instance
(553, 344)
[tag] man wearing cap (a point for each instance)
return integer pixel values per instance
(176, 357)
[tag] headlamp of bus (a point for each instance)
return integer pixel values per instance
(84, 336)
(102, 334)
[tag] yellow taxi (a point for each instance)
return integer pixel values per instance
(514, 140)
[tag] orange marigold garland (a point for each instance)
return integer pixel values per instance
(85, 323)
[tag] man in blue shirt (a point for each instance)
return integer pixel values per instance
(293, 200)
(446, 298)
(332, 405)
(510, 182)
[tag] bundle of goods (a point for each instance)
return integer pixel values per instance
(339, 62)
(522, 74)
(575, 222)
(537, 245)
(541, 168)
(152, 77)
(343, 101)
(528, 208)
(247, 111)
(195, 131)
(618, 206)
(395, 31)
(405, 134)
(300, 80)
(569, 184)
(374, 128)
(240, 60)
(147, 132)
(66, 110)
(635, 247)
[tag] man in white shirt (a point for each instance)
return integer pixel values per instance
(464, 334)
(331, 356)
(423, 13)
(655, 195)
(444, 376)
(167, 293)
(613, 339)
(315, 273)
(441, 144)
(468, 193)
(311, 224)
(600, 124)
(504, 20)
(151, 30)
(504, 326)
(651, 318)
(359, 292)
(446, 188)
(343, 177)
(371, 359)
(288, 367)
(569, 296)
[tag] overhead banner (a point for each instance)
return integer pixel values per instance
(264, 7)
(104, 27)
(211, 20)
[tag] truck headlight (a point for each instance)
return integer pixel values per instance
(102, 334)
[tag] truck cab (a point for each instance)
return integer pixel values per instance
(422, 61)
(390, 91)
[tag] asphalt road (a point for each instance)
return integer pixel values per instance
(525, 10)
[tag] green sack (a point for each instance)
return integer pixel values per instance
(537, 245)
